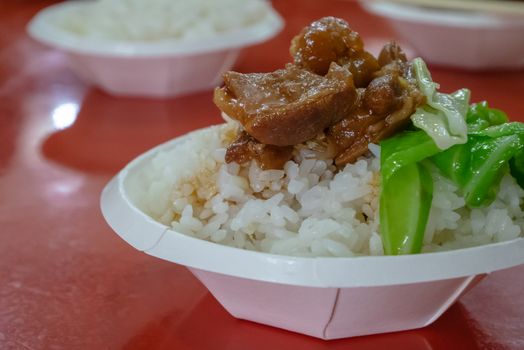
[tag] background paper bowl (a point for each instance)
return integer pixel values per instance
(462, 39)
(327, 298)
(151, 69)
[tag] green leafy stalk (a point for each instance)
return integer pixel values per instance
(506, 129)
(478, 166)
(474, 146)
(480, 116)
(517, 168)
(454, 163)
(406, 185)
(489, 163)
(406, 191)
(404, 149)
(405, 203)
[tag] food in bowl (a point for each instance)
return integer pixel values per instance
(266, 181)
(156, 48)
(342, 154)
(157, 20)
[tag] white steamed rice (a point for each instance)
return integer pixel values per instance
(154, 20)
(306, 209)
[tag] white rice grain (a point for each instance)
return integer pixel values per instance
(157, 20)
(305, 209)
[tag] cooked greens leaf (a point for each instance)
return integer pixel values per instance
(443, 116)
(480, 116)
(478, 166)
(404, 149)
(517, 168)
(405, 203)
(406, 191)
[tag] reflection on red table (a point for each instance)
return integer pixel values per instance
(68, 282)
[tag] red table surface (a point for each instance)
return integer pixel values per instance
(68, 282)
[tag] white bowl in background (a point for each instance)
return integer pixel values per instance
(151, 69)
(323, 297)
(462, 39)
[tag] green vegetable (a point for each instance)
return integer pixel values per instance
(489, 163)
(474, 147)
(406, 191)
(517, 168)
(478, 166)
(505, 129)
(406, 185)
(480, 116)
(404, 149)
(454, 163)
(442, 117)
(405, 202)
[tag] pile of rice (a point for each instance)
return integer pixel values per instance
(306, 209)
(154, 20)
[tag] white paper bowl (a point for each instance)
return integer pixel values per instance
(463, 39)
(160, 69)
(327, 298)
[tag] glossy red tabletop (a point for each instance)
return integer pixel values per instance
(68, 282)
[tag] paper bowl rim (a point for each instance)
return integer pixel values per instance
(441, 17)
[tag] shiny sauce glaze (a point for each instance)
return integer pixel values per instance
(334, 93)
